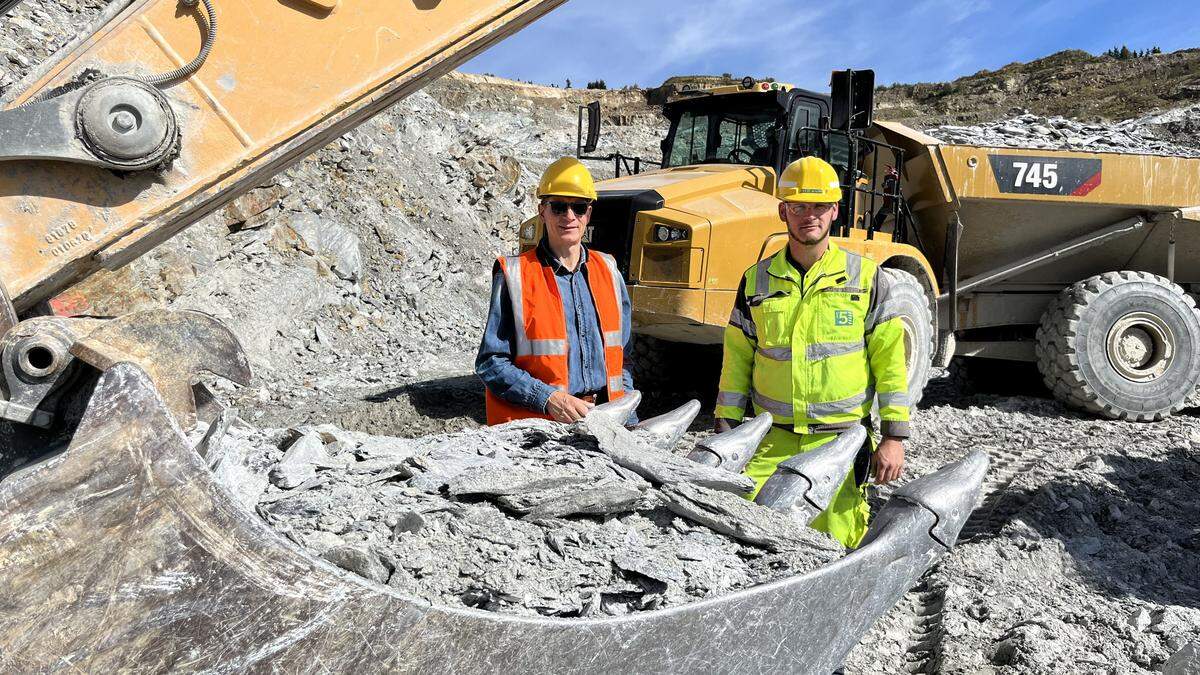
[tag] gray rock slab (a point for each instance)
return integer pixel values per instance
(1186, 661)
(606, 498)
(301, 461)
(330, 241)
(514, 480)
(658, 467)
(734, 516)
(358, 560)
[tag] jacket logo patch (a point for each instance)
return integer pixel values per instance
(843, 317)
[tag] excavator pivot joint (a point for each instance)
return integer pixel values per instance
(116, 123)
(36, 357)
(127, 123)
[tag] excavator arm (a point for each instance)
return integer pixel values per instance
(281, 79)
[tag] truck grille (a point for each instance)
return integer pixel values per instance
(613, 216)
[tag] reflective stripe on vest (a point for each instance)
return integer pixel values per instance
(540, 330)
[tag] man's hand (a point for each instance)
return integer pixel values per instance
(722, 425)
(888, 460)
(564, 407)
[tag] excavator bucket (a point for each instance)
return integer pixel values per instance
(48, 365)
(123, 552)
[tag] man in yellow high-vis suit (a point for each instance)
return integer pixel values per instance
(813, 340)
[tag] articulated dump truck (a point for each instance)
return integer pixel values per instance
(1085, 263)
(118, 548)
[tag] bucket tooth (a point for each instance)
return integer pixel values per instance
(733, 449)
(671, 426)
(805, 484)
(173, 347)
(950, 494)
(620, 409)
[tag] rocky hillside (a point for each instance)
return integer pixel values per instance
(1072, 84)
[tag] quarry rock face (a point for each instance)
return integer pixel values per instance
(1137, 136)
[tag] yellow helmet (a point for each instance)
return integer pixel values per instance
(567, 177)
(810, 179)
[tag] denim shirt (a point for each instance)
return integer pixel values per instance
(586, 370)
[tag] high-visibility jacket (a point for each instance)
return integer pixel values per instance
(540, 326)
(814, 350)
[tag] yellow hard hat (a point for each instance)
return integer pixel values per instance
(810, 179)
(567, 177)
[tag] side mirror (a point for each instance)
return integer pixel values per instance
(853, 95)
(593, 129)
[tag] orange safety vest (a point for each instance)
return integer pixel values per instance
(540, 325)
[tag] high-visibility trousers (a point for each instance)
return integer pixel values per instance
(848, 514)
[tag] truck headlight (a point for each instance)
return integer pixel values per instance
(665, 233)
(528, 231)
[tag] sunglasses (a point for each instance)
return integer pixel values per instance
(560, 208)
(798, 209)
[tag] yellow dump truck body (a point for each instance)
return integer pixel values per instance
(1005, 220)
(1060, 209)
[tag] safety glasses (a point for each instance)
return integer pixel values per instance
(798, 208)
(560, 208)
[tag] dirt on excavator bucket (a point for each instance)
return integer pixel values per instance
(122, 551)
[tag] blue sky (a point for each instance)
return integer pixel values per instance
(645, 41)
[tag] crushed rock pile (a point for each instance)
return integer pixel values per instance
(1136, 136)
(533, 517)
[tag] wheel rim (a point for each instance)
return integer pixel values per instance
(1140, 346)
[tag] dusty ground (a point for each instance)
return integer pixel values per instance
(1082, 558)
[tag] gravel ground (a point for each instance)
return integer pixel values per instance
(1082, 557)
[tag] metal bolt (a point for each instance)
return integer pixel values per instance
(124, 121)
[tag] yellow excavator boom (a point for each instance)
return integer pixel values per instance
(283, 78)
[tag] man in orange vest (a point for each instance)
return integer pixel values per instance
(554, 345)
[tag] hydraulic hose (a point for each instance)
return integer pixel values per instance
(207, 24)
(210, 37)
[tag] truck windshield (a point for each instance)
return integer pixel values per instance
(723, 134)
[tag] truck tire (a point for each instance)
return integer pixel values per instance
(652, 364)
(1123, 345)
(919, 338)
